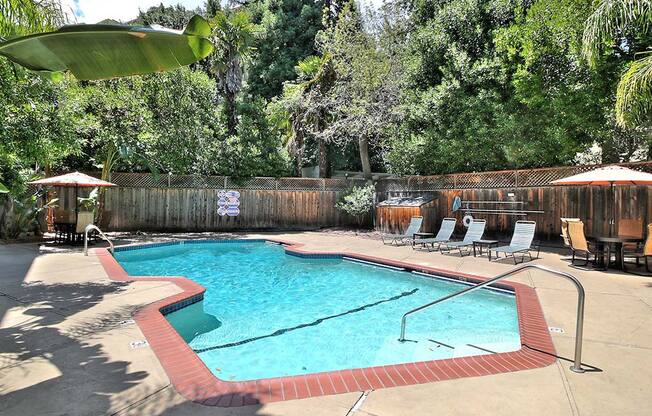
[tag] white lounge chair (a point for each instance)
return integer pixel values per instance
(414, 227)
(443, 236)
(474, 233)
(521, 242)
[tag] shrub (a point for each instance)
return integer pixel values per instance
(358, 201)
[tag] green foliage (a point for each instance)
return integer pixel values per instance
(185, 120)
(172, 17)
(92, 52)
(233, 37)
(358, 202)
(171, 122)
(288, 35)
(22, 17)
(23, 214)
(623, 29)
(90, 202)
(254, 151)
(634, 94)
(37, 124)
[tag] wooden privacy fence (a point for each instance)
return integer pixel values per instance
(592, 204)
(190, 203)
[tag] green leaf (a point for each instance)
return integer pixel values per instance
(3, 189)
(93, 52)
(198, 26)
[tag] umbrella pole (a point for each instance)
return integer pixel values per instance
(613, 211)
(76, 209)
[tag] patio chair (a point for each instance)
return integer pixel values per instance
(414, 227)
(443, 235)
(521, 242)
(630, 228)
(578, 242)
(84, 218)
(474, 233)
(645, 254)
(564, 229)
(63, 220)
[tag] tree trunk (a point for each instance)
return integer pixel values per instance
(364, 157)
(232, 120)
(323, 160)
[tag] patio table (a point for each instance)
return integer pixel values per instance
(603, 241)
(65, 228)
(478, 244)
(420, 235)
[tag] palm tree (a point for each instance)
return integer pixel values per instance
(233, 37)
(610, 22)
(22, 17)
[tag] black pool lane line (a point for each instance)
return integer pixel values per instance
(317, 322)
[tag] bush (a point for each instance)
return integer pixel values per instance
(358, 201)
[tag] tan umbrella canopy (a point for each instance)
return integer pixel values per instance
(608, 176)
(76, 179)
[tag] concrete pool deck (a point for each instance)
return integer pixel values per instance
(66, 330)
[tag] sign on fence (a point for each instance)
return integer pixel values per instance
(228, 203)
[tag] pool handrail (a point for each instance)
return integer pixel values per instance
(90, 227)
(579, 326)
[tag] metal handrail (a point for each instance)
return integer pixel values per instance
(579, 326)
(90, 227)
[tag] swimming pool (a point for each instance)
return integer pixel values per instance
(267, 313)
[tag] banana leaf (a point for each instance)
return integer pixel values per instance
(101, 51)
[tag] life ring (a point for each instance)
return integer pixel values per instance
(467, 220)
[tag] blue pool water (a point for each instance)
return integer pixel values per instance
(269, 314)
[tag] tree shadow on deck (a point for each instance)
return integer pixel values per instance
(46, 367)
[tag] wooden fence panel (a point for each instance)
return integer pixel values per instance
(188, 209)
(184, 203)
(592, 204)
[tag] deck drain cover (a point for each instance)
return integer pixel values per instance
(141, 343)
(556, 330)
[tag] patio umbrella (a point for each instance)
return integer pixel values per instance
(76, 179)
(608, 176)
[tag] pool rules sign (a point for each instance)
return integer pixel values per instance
(228, 203)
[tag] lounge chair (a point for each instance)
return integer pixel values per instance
(521, 242)
(579, 244)
(645, 254)
(414, 227)
(474, 233)
(443, 236)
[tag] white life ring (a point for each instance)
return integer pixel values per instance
(467, 220)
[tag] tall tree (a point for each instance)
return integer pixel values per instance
(233, 37)
(288, 29)
(625, 26)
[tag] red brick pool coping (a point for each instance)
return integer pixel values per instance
(193, 380)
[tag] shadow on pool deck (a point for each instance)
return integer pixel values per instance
(37, 337)
(49, 363)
